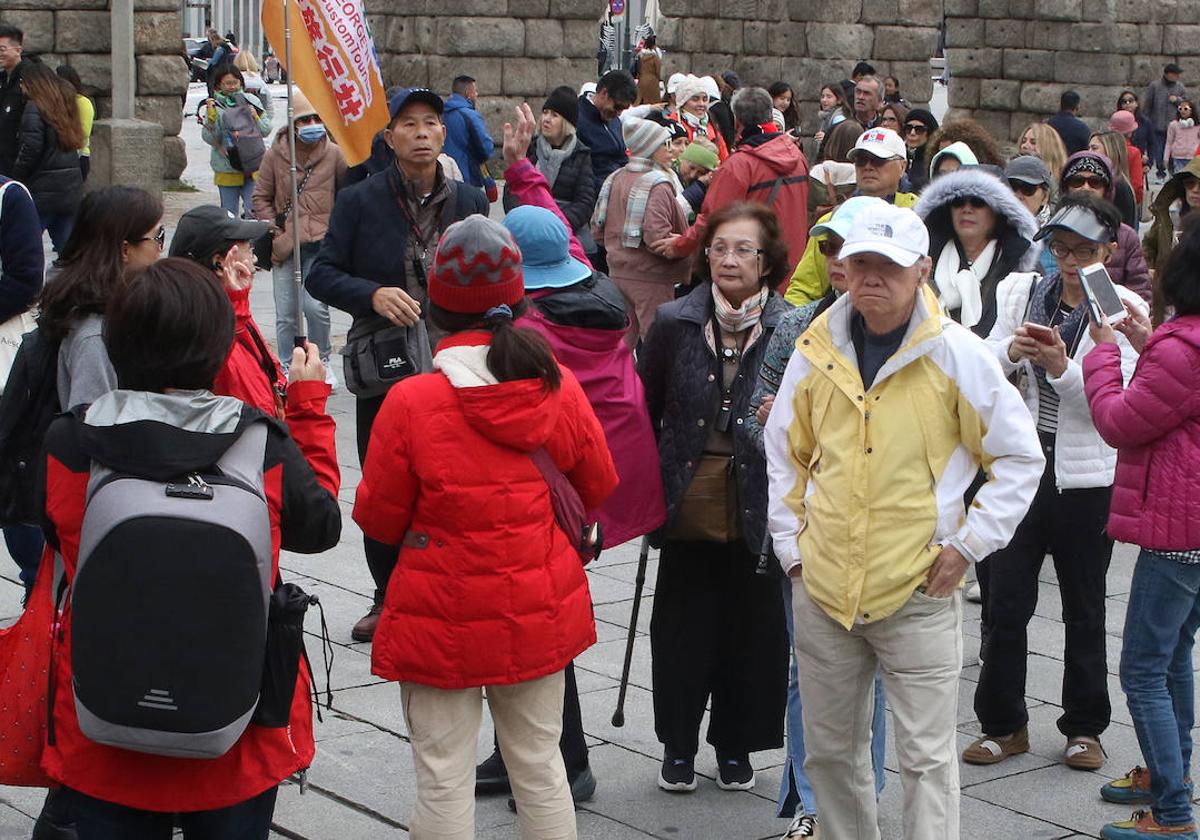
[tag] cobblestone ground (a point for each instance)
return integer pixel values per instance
(362, 782)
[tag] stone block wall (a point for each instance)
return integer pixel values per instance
(79, 33)
(1012, 59)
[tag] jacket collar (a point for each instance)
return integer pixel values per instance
(697, 307)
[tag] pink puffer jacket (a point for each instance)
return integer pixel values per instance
(1154, 424)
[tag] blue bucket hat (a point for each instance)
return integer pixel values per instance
(545, 249)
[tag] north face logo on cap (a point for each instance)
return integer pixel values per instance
(881, 230)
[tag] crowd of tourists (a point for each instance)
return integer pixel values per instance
(828, 377)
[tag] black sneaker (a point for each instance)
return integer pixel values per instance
(804, 825)
(677, 775)
(735, 773)
(491, 776)
(583, 787)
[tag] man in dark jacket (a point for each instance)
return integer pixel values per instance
(1073, 131)
(1159, 104)
(467, 138)
(599, 124)
(12, 99)
(373, 264)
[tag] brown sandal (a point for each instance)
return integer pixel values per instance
(993, 750)
(1084, 753)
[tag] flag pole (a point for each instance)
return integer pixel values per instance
(297, 269)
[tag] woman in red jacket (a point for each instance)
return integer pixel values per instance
(1154, 423)
(168, 332)
(488, 590)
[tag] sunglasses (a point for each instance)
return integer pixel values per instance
(973, 200)
(159, 237)
(915, 128)
(1022, 188)
(1094, 181)
(831, 246)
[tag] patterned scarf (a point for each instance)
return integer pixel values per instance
(1045, 296)
(635, 208)
(736, 319)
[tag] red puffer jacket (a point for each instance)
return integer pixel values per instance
(1154, 424)
(487, 589)
(300, 476)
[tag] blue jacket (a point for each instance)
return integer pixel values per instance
(21, 261)
(367, 240)
(1073, 131)
(604, 139)
(467, 138)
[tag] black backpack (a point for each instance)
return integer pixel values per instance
(29, 403)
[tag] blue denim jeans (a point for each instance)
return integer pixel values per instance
(316, 314)
(231, 197)
(794, 790)
(59, 226)
(1156, 675)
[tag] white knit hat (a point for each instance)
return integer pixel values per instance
(688, 87)
(674, 81)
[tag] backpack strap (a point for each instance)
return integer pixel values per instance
(244, 459)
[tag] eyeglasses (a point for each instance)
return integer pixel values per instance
(743, 253)
(973, 200)
(1022, 188)
(915, 128)
(1081, 253)
(830, 246)
(1096, 182)
(159, 238)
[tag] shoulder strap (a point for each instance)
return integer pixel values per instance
(244, 459)
(775, 190)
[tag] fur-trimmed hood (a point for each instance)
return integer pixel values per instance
(1018, 224)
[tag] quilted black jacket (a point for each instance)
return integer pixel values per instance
(574, 189)
(683, 394)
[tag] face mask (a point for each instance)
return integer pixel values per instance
(311, 133)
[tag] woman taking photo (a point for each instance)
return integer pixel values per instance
(1153, 420)
(234, 184)
(48, 145)
(717, 629)
(563, 159)
(979, 233)
(1040, 338)
(484, 595)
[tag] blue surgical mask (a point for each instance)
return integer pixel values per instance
(311, 133)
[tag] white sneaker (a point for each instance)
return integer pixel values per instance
(974, 594)
(805, 825)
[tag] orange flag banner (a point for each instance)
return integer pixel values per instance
(336, 67)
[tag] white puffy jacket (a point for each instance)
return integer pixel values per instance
(1081, 458)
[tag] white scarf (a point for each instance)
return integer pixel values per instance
(958, 288)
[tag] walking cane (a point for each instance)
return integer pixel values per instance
(618, 718)
(297, 271)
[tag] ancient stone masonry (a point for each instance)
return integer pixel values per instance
(79, 33)
(1012, 59)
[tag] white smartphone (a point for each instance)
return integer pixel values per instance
(1101, 294)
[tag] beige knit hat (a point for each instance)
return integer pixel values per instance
(301, 107)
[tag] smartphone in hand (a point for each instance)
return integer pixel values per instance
(1039, 332)
(1102, 298)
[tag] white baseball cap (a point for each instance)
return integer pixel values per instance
(882, 143)
(893, 232)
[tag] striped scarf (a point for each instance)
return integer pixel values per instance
(635, 208)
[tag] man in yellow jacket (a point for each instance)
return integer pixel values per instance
(880, 159)
(885, 414)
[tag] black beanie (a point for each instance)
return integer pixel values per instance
(562, 100)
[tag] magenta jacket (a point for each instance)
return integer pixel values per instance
(1154, 425)
(603, 364)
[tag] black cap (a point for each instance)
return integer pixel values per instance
(407, 96)
(565, 102)
(1172, 68)
(923, 116)
(206, 230)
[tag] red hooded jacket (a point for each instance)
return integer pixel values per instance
(487, 589)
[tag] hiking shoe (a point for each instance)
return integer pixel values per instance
(1134, 788)
(491, 776)
(1084, 753)
(583, 787)
(364, 628)
(735, 773)
(805, 825)
(993, 750)
(677, 775)
(1143, 824)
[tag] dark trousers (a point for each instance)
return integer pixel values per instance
(59, 226)
(1070, 526)
(25, 544)
(717, 630)
(1158, 148)
(572, 743)
(381, 558)
(96, 819)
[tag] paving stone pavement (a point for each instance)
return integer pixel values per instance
(362, 784)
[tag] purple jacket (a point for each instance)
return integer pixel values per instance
(1154, 424)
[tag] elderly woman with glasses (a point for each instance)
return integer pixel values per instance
(1040, 338)
(717, 630)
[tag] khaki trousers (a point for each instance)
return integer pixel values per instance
(444, 728)
(918, 649)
